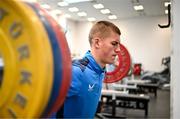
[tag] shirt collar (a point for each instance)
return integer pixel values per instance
(93, 64)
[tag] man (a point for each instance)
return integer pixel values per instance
(88, 73)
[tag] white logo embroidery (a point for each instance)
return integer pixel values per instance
(91, 87)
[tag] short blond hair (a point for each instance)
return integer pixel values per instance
(102, 29)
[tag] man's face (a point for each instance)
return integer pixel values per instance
(109, 48)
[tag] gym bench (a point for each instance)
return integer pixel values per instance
(119, 99)
(145, 88)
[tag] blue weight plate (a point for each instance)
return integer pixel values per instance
(57, 58)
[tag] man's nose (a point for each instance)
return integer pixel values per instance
(118, 49)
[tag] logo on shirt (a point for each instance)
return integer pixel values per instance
(91, 87)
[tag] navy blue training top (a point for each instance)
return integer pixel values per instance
(85, 90)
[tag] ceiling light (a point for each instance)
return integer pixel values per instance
(67, 16)
(138, 7)
(98, 6)
(91, 19)
(82, 14)
(105, 11)
(166, 11)
(76, 1)
(73, 9)
(45, 6)
(63, 3)
(166, 3)
(56, 12)
(112, 17)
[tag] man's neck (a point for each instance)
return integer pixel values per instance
(97, 59)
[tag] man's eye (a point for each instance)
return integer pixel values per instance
(114, 43)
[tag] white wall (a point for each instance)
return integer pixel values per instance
(79, 31)
(175, 65)
(82, 41)
(71, 28)
(146, 42)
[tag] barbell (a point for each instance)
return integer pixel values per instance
(36, 61)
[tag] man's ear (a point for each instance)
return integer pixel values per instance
(97, 42)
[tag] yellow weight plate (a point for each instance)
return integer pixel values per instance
(28, 63)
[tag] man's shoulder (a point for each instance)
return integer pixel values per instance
(81, 63)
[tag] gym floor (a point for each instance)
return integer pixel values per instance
(159, 108)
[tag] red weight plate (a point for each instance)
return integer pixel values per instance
(122, 69)
(137, 69)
